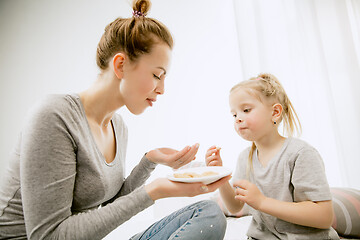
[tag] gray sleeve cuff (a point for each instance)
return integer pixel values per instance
(146, 163)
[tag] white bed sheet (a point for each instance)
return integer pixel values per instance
(237, 228)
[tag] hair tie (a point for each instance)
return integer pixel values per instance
(259, 78)
(138, 14)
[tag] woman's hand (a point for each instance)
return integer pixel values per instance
(212, 157)
(171, 157)
(162, 188)
(248, 193)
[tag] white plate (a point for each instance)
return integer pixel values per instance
(222, 172)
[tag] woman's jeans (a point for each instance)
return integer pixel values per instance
(201, 220)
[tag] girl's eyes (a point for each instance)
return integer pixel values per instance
(246, 110)
(156, 77)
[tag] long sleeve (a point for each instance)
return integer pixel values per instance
(137, 178)
(51, 173)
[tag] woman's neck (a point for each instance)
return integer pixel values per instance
(101, 100)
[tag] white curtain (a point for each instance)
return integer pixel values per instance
(313, 47)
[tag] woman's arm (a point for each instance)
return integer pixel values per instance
(163, 188)
(166, 156)
(136, 178)
(48, 174)
(306, 213)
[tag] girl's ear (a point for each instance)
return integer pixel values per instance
(277, 112)
(118, 65)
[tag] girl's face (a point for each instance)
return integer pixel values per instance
(252, 117)
(143, 80)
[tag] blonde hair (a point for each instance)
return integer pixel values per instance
(134, 36)
(267, 86)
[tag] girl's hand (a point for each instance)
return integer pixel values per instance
(248, 193)
(212, 157)
(173, 158)
(162, 188)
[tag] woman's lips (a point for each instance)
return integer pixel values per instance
(150, 101)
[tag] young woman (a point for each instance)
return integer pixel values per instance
(282, 179)
(66, 178)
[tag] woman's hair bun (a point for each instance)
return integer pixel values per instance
(142, 6)
(133, 36)
(267, 76)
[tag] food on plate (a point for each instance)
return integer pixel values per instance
(194, 175)
(206, 175)
(209, 173)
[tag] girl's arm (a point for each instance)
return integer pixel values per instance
(212, 158)
(228, 196)
(306, 213)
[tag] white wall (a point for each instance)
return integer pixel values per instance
(49, 47)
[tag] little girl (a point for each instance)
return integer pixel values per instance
(281, 179)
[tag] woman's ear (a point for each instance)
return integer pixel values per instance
(277, 112)
(118, 65)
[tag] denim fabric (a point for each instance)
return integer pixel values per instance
(201, 220)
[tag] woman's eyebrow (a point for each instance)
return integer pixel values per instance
(162, 69)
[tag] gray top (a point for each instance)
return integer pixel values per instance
(58, 184)
(295, 174)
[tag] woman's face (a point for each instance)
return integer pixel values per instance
(143, 81)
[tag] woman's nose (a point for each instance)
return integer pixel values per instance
(160, 88)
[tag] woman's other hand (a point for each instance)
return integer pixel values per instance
(212, 157)
(171, 157)
(163, 188)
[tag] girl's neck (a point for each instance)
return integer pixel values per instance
(268, 147)
(270, 142)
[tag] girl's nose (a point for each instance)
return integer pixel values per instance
(239, 120)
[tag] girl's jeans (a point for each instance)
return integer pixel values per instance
(201, 220)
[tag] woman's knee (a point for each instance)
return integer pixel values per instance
(214, 211)
(215, 218)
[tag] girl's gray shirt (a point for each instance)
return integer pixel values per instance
(295, 174)
(58, 184)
